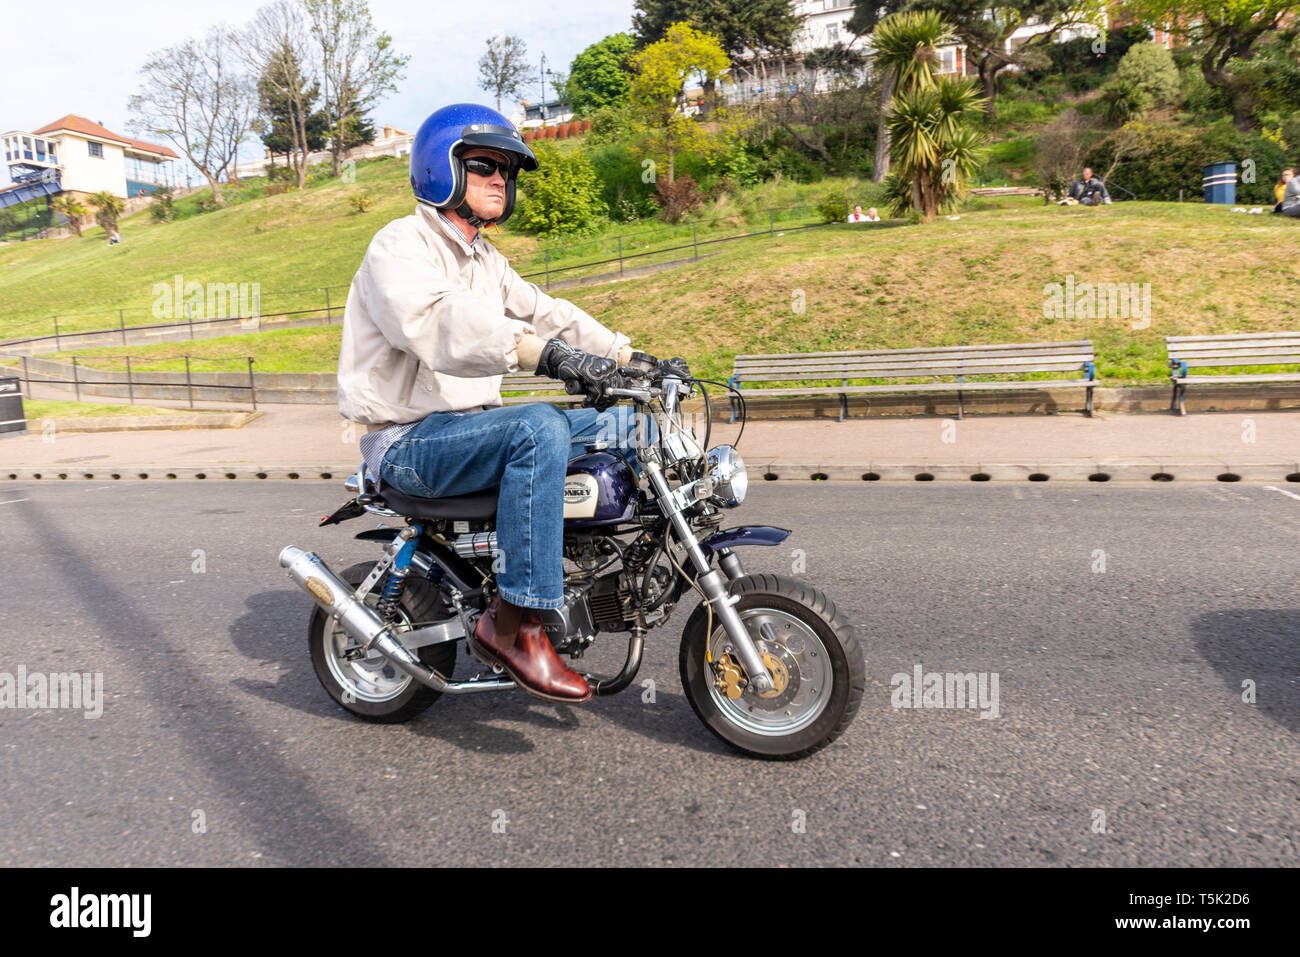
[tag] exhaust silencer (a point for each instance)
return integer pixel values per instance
(361, 622)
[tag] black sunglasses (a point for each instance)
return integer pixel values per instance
(485, 166)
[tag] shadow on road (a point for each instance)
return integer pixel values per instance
(1257, 645)
(462, 721)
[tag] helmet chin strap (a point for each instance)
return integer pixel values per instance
(471, 217)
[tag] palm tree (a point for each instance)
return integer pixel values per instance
(67, 205)
(905, 49)
(930, 119)
(937, 145)
(107, 208)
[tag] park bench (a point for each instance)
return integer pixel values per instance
(1231, 351)
(952, 363)
(541, 389)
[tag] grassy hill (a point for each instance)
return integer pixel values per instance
(978, 279)
(292, 244)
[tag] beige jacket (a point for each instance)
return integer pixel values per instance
(433, 322)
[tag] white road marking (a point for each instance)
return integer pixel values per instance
(12, 500)
(1273, 488)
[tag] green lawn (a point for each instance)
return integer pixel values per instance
(978, 279)
(52, 409)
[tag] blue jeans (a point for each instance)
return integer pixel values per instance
(525, 449)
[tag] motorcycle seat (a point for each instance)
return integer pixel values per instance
(475, 506)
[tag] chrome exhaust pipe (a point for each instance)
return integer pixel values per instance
(361, 622)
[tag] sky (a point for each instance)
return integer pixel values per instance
(86, 74)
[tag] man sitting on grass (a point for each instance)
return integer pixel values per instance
(1087, 191)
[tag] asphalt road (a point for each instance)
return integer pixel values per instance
(1122, 623)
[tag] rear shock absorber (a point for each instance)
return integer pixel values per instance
(395, 582)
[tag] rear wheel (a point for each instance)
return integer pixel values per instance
(810, 650)
(371, 686)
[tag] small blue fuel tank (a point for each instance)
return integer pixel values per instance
(602, 478)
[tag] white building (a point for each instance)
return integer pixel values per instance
(825, 23)
(76, 156)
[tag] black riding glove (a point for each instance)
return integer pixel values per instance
(581, 372)
(676, 366)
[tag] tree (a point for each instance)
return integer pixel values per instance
(563, 195)
(658, 90)
(358, 65)
(866, 17)
(1226, 32)
(353, 129)
(276, 50)
(1150, 68)
(811, 116)
(503, 68)
(1062, 145)
(936, 145)
(930, 119)
(758, 27)
(601, 75)
(193, 95)
(67, 205)
(279, 120)
(107, 209)
(986, 31)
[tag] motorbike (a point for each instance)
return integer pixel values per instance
(768, 662)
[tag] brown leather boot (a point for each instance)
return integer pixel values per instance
(531, 661)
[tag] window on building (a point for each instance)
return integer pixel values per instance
(96, 149)
(832, 32)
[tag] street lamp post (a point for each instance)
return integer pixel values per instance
(542, 106)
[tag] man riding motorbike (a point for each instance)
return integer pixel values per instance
(435, 316)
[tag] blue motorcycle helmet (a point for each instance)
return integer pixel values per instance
(437, 172)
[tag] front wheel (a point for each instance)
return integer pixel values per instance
(811, 651)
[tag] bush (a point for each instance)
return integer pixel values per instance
(163, 207)
(678, 198)
(1123, 100)
(1156, 161)
(360, 202)
(564, 196)
(281, 174)
(621, 170)
(833, 207)
(1150, 68)
(1198, 96)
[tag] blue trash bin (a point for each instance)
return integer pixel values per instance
(1219, 181)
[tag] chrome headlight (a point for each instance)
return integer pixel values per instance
(727, 473)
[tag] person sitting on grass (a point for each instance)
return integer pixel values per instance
(1087, 191)
(1279, 190)
(1290, 205)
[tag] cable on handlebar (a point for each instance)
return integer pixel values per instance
(743, 411)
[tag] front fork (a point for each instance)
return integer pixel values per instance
(711, 581)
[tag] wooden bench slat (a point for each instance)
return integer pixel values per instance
(903, 374)
(1242, 361)
(936, 387)
(1230, 358)
(923, 357)
(1234, 336)
(859, 371)
(1082, 343)
(1258, 377)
